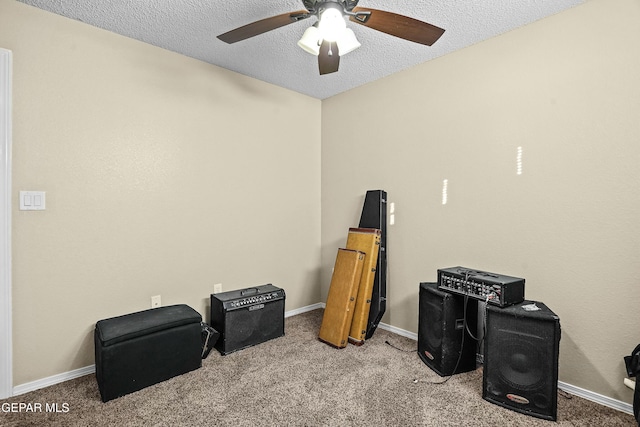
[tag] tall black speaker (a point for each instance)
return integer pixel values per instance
(247, 317)
(521, 359)
(444, 344)
(374, 215)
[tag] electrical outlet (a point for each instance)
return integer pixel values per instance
(217, 288)
(155, 301)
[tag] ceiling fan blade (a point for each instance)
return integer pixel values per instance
(328, 58)
(263, 25)
(398, 25)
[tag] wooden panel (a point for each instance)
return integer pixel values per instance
(341, 300)
(365, 240)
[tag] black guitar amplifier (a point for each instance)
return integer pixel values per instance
(495, 289)
(246, 317)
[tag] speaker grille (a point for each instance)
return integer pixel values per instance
(520, 367)
(433, 317)
(521, 359)
(247, 317)
(246, 327)
(440, 331)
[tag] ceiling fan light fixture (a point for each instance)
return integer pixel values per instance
(331, 24)
(348, 42)
(311, 40)
(329, 37)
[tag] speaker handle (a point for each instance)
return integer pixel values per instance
(249, 291)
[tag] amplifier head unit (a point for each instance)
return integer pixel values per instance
(231, 300)
(495, 289)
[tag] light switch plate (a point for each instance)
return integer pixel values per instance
(32, 200)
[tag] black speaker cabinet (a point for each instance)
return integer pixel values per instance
(247, 317)
(441, 330)
(521, 359)
(374, 215)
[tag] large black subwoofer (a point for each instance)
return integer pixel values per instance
(521, 359)
(247, 317)
(444, 344)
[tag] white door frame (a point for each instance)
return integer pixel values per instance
(6, 346)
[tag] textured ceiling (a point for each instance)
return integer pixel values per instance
(190, 27)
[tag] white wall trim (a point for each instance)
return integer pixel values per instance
(304, 309)
(597, 398)
(398, 331)
(6, 344)
(52, 380)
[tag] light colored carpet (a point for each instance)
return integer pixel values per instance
(297, 380)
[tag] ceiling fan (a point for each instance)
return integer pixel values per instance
(329, 38)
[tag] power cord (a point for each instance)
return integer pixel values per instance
(400, 349)
(415, 380)
(565, 394)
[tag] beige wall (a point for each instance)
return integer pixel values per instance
(164, 175)
(565, 89)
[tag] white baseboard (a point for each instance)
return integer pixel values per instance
(398, 331)
(304, 309)
(597, 398)
(54, 379)
(577, 391)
